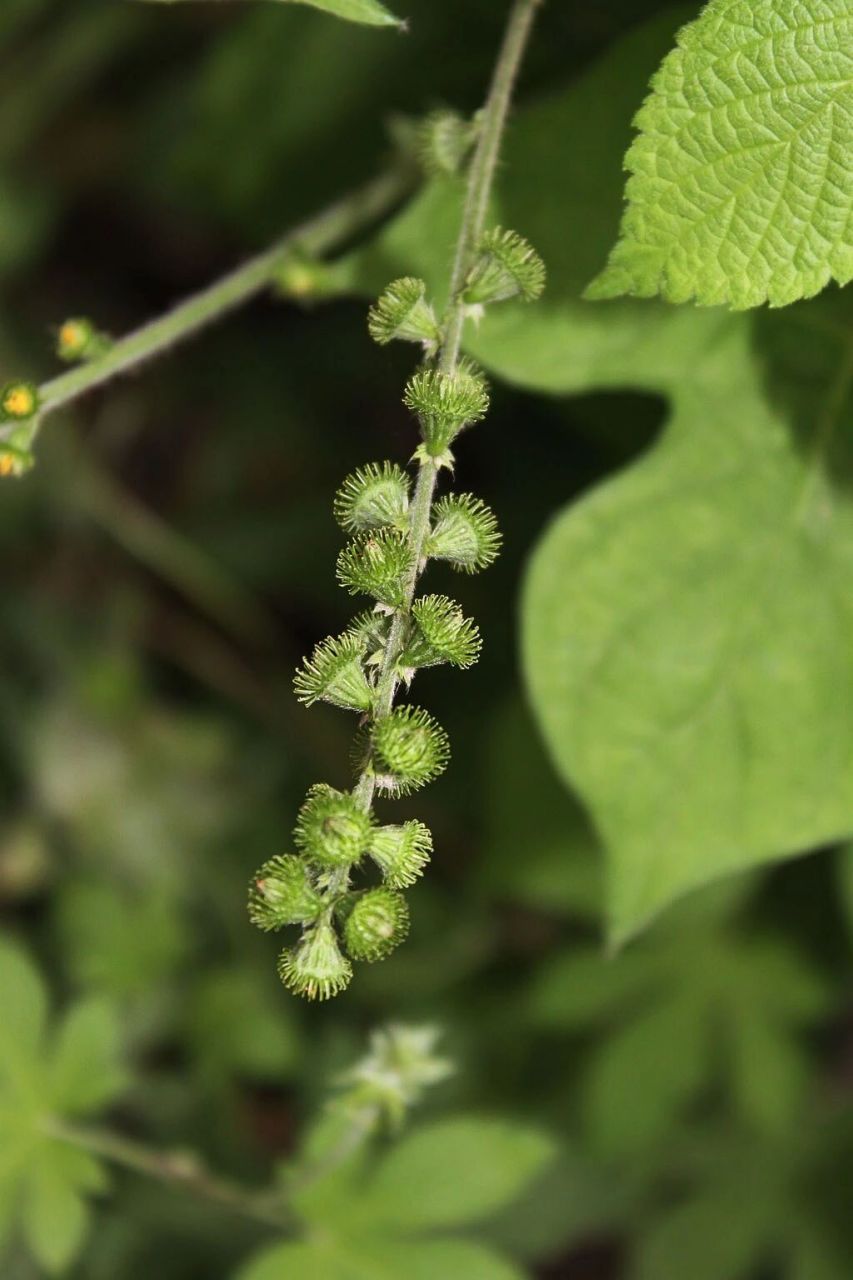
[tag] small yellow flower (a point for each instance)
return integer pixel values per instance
(7, 464)
(77, 339)
(19, 400)
(72, 337)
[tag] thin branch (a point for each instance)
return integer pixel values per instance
(263, 1205)
(318, 235)
(178, 1169)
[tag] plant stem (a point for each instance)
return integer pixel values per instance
(177, 1168)
(318, 235)
(481, 175)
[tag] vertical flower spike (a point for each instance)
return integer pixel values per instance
(395, 529)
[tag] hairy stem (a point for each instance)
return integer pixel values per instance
(481, 175)
(266, 1206)
(178, 1168)
(318, 235)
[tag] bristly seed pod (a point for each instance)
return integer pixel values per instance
(315, 967)
(377, 564)
(18, 401)
(373, 496)
(441, 633)
(331, 828)
(410, 748)
(401, 852)
(335, 673)
(464, 532)
(402, 311)
(371, 629)
(445, 403)
(445, 138)
(281, 893)
(506, 266)
(377, 923)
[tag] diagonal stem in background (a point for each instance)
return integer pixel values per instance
(320, 234)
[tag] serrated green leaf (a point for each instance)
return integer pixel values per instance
(385, 1260)
(299, 1260)
(369, 13)
(430, 1259)
(814, 1257)
(742, 174)
(769, 1072)
(84, 1071)
(236, 1027)
(657, 1008)
(454, 1172)
(687, 623)
(23, 1012)
(580, 989)
(44, 1079)
(723, 1232)
(767, 993)
(123, 944)
(54, 1215)
(640, 1080)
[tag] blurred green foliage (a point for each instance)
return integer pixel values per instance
(696, 1088)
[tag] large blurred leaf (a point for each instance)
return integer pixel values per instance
(424, 1260)
(121, 943)
(687, 632)
(694, 1004)
(454, 1172)
(368, 12)
(747, 1210)
(446, 1175)
(43, 1181)
(236, 1026)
